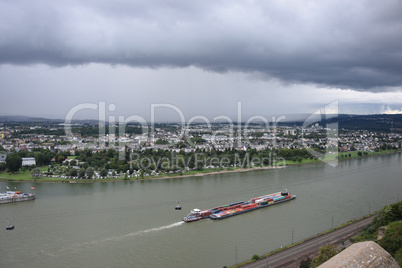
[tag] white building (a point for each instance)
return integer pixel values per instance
(28, 161)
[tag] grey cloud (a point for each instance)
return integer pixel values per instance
(347, 44)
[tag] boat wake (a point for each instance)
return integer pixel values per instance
(157, 229)
(79, 246)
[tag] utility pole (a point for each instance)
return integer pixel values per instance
(369, 207)
(332, 222)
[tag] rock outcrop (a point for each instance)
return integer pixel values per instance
(363, 254)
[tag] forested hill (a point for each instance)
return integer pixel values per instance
(375, 122)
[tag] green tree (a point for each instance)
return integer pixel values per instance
(392, 240)
(13, 162)
(3, 166)
(90, 172)
(40, 159)
(352, 147)
(103, 172)
(162, 141)
(35, 172)
(73, 172)
(81, 173)
(392, 213)
(324, 253)
(398, 257)
(255, 257)
(305, 263)
(59, 158)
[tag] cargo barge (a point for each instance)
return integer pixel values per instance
(15, 196)
(223, 212)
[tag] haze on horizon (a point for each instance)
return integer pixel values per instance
(203, 57)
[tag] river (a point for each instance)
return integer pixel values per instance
(134, 224)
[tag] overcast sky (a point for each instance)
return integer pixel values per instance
(203, 57)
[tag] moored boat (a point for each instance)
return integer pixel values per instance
(15, 196)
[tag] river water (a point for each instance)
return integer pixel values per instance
(134, 224)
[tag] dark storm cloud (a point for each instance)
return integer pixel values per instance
(350, 44)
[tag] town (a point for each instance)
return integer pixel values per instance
(92, 152)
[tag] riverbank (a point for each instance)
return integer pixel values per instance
(296, 252)
(26, 177)
(342, 156)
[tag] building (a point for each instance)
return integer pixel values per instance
(3, 157)
(28, 161)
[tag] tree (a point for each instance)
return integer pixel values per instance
(35, 172)
(81, 173)
(73, 172)
(13, 162)
(103, 172)
(398, 257)
(255, 257)
(40, 159)
(324, 253)
(90, 172)
(59, 158)
(2, 166)
(352, 147)
(162, 141)
(392, 240)
(305, 263)
(359, 153)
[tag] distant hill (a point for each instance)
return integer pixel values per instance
(28, 119)
(21, 118)
(373, 122)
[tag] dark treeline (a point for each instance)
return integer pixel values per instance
(162, 160)
(87, 131)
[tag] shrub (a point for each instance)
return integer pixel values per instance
(324, 253)
(35, 172)
(305, 263)
(392, 241)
